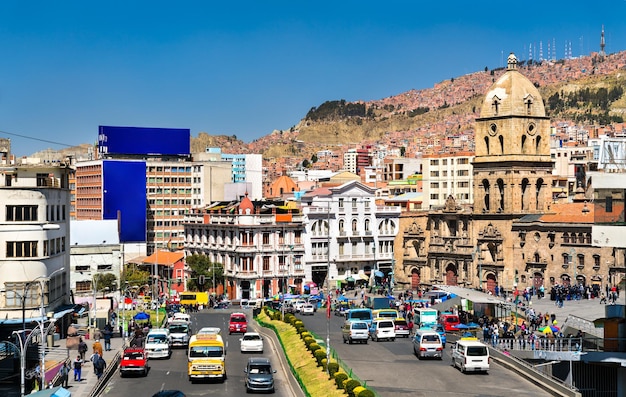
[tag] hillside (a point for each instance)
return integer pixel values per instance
(586, 90)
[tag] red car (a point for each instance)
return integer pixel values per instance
(134, 361)
(238, 323)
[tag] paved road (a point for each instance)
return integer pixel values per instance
(392, 369)
(172, 373)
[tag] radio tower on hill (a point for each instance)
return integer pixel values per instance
(602, 53)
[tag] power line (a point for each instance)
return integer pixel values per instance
(35, 139)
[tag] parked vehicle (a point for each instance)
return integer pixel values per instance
(360, 315)
(238, 323)
(180, 332)
(382, 329)
(442, 333)
(251, 342)
(259, 375)
(134, 361)
(401, 327)
(307, 309)
(158, 343)
(427, 343)
(341, 309)
(468, 354)
(449, 321)
(355, 331)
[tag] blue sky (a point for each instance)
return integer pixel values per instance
(246, 68)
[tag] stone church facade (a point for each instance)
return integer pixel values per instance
(515, 234)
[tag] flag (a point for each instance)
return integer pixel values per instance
(328, 306)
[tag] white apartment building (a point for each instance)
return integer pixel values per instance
(34, 254)
(445, 176)
(348, 236)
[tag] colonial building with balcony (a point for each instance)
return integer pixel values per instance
(259, 243)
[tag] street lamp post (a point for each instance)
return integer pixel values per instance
(24, 342)
(328, 287)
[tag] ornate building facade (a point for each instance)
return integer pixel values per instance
(514, 234)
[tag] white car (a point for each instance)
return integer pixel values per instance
(251, 342)
(307, 308)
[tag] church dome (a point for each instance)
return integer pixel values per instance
(512, 95)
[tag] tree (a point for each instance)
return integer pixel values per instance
(133, 276)
(200, 265)
(314, 158)
(402, 151)
(105, 280)
(305, 163)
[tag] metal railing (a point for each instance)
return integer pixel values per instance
(549, 344)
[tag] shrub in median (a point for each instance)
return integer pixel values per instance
(363, 393)
(333, 368)
(350, 385)
(319, 355)
(339, 378)
(313, 347)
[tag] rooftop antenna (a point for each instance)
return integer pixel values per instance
(540, 51)
(553, 49)
(602, 53)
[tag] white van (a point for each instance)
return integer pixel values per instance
(427, 343)
(158, 343)
(469, 354)
(382, 328)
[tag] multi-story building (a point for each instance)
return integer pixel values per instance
(349, 235)
(445, 176)
(609, 225)
(248, 169)
(34, 254)
(259, 243)
(515, 235)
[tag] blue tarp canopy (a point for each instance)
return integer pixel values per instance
(141, 316)
(53, 392)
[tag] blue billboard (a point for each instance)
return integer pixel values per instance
(143, 141)
(124, 197)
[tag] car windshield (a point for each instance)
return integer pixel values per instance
(157, 339)
(401, 323)
(179, 328)
(251, 337)
(385, 324)
(361, 315)
(359, 326)
(260, 369)
(475, 351)
(205, 351)
(430, 339)
(238, 320)
(133, 356)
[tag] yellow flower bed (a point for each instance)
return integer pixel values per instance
(315, 380)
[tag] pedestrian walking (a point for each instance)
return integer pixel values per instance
(64, 373)
(107, 334)
(78, 365)
(82, 348)
(97, 347)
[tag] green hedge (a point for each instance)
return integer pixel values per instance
(339, 378)
(350, 385)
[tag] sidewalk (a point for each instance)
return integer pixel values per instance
(89, 379)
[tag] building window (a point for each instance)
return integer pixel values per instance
(83, 286)
(106, 266)
(434, 162)
(21, 213)
(21, 249)
(266, 263)
(42, 180)
(266, 238)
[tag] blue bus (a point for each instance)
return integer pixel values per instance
(360, 315)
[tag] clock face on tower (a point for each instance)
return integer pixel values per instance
(531, 129)
(493, 129)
